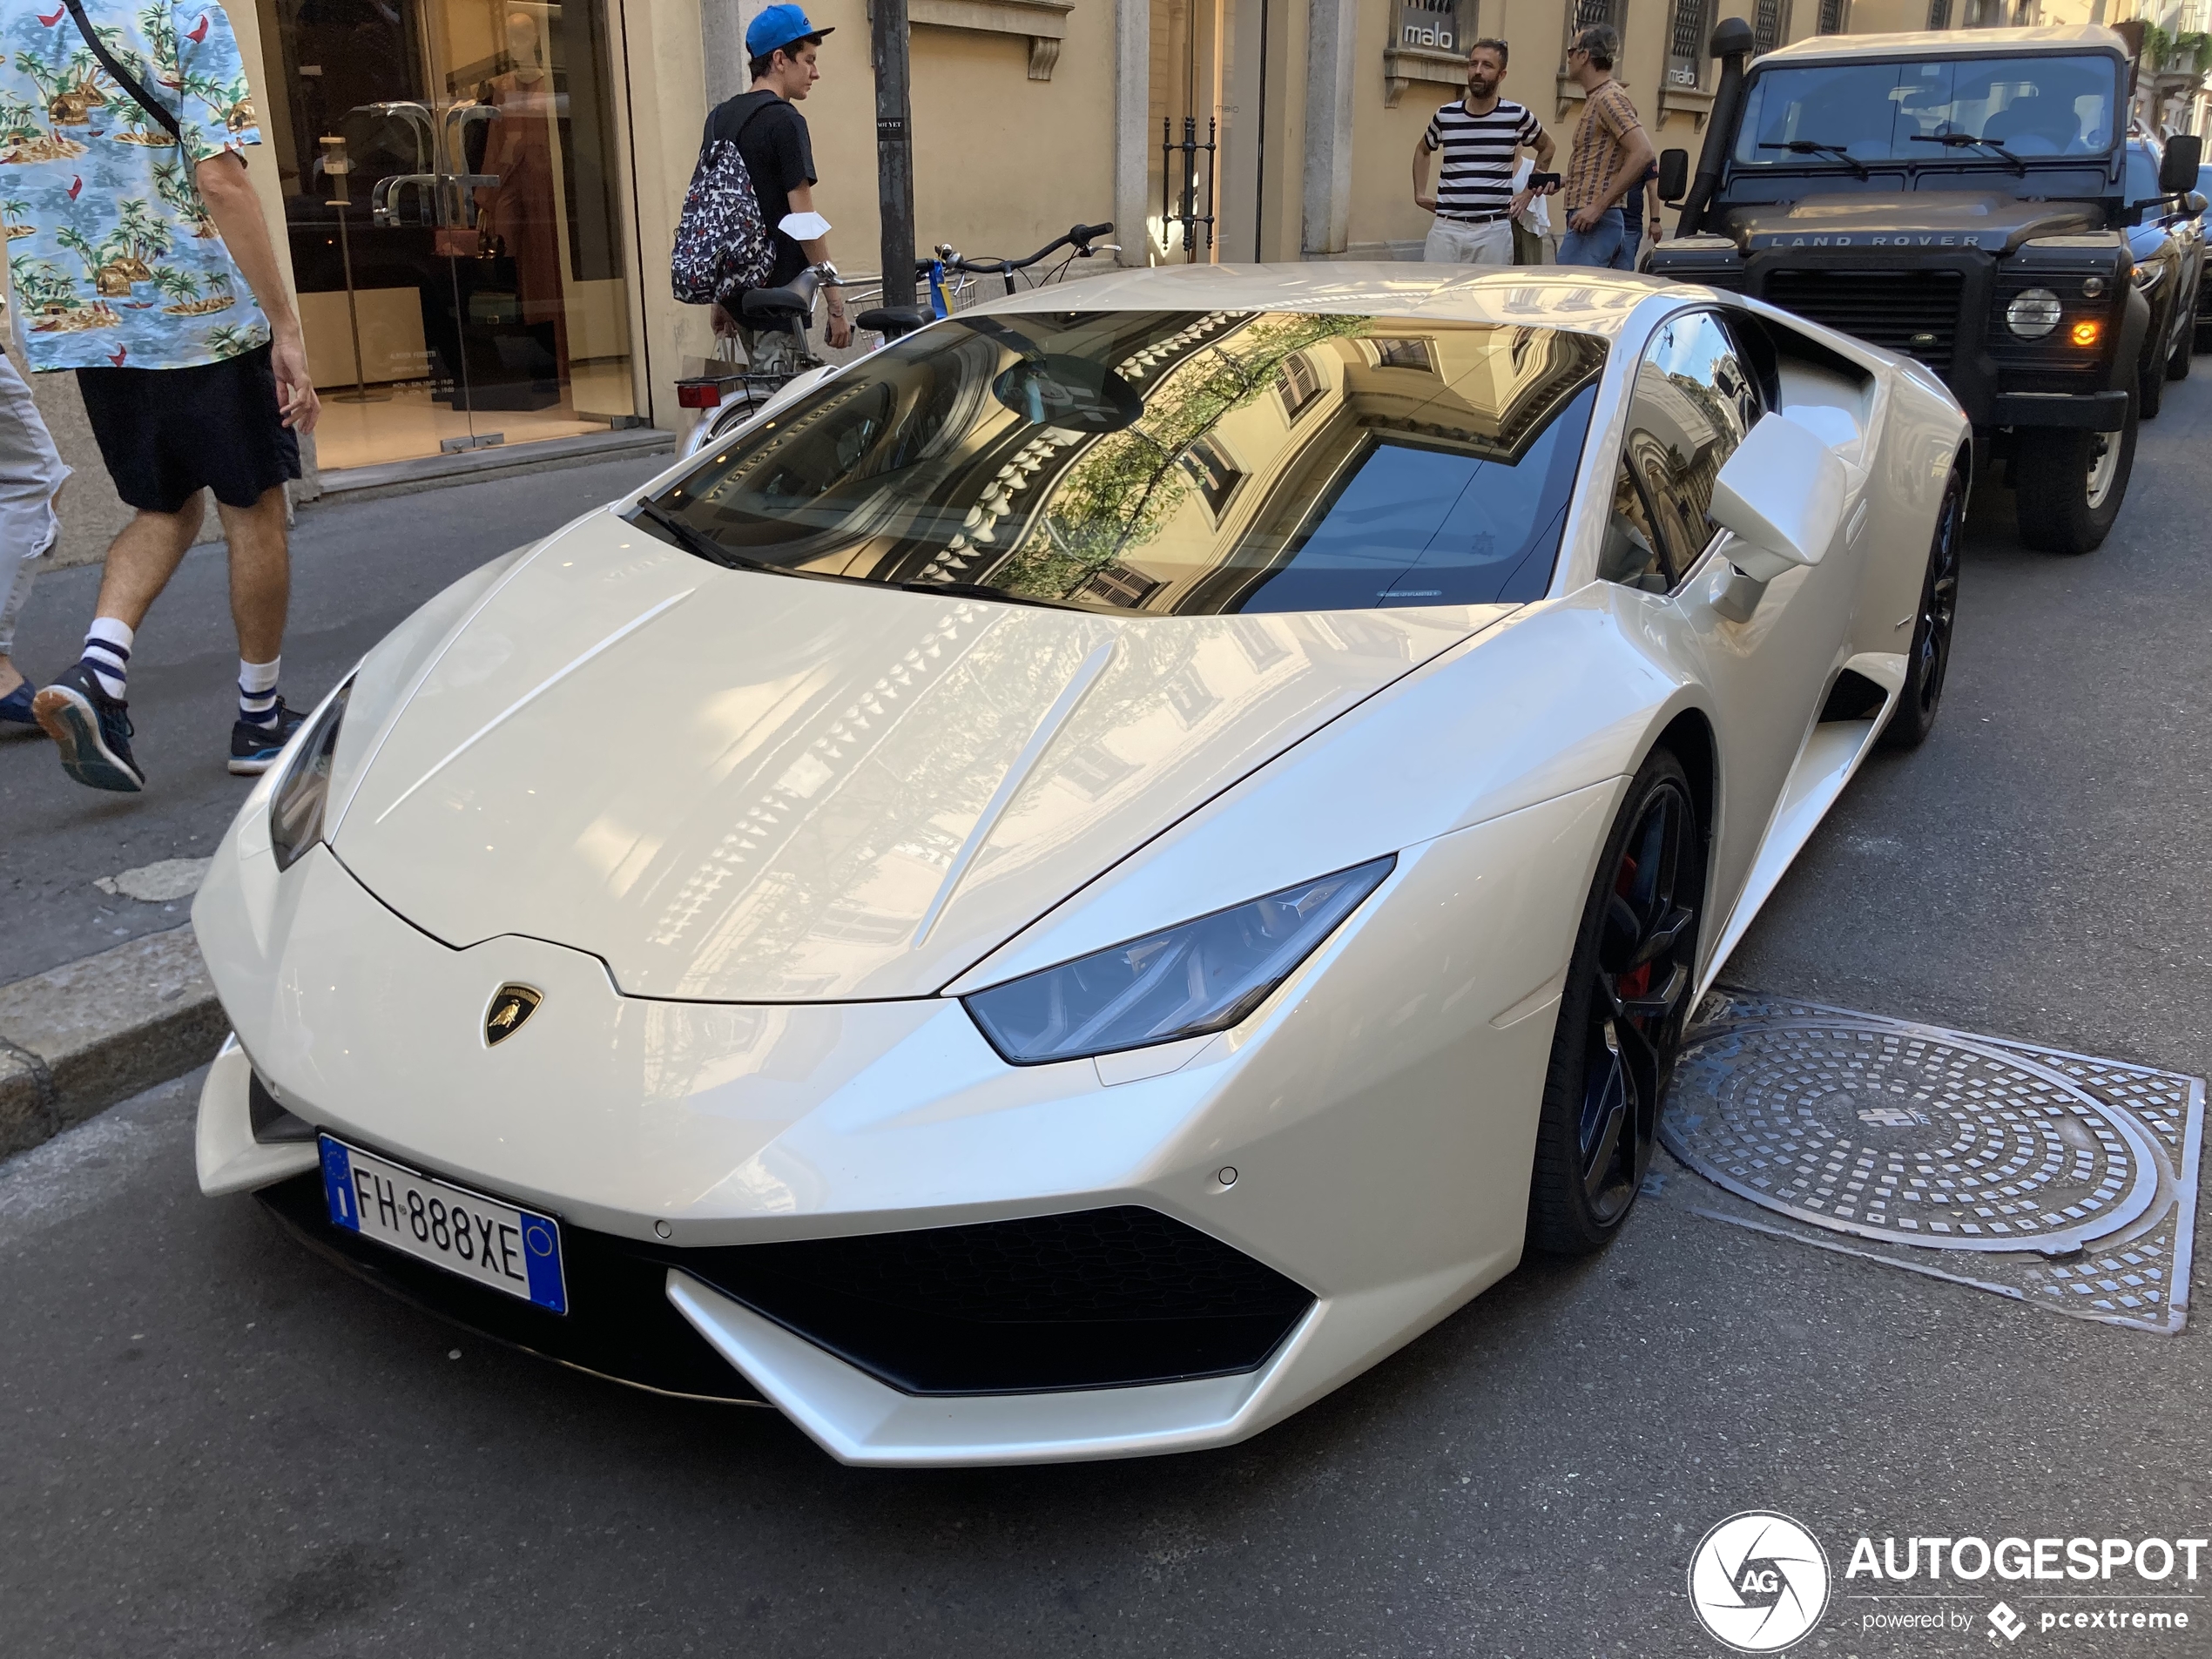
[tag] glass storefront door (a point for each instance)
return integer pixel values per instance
(450, 175)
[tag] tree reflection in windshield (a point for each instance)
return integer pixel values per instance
(1214, 462)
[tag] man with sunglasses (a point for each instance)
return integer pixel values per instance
(1610, 152)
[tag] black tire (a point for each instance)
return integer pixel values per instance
(2150, 385)
(1929, 658)
(1621, 1017)
(2062, 509)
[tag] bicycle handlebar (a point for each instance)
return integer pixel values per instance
(1079, 237)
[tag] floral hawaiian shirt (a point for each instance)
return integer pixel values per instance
(113, 253)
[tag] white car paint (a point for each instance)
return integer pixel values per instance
(514, 753)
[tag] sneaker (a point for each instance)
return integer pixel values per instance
(16, 717)
(92, 729)
(254, 747)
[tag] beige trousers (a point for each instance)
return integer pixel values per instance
(1452, 242)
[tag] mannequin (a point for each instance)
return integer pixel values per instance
(520, 209)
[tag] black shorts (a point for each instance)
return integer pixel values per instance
(167, 433)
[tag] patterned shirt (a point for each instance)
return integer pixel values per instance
(1601, 144)
(114, 258)
(1475, 178)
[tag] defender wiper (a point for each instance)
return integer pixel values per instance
(1961, 140)
(694, 540)
(1814, 148)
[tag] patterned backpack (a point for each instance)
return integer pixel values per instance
(722, 247)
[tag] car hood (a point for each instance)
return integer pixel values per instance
(1934, 219)
(731, 785)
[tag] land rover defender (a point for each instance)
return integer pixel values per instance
(1960, 199)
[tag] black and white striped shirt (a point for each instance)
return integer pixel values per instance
(1476, 179)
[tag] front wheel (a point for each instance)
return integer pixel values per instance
(1930, 659)
(1621, 1016)
(2069, 484)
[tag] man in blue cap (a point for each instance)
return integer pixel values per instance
(771, 134)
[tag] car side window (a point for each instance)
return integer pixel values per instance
(1695, 400)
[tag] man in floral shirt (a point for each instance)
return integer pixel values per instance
(140, 259)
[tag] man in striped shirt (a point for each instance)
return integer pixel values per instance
(1481, 137)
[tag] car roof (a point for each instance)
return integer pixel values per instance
(1585, 302)
(1979, 43)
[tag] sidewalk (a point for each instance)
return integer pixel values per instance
(83, 872)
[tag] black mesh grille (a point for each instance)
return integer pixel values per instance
(1913, 313)
(1098, 1299)
(2051, 364)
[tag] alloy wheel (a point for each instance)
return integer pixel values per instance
(2104, 466)
(1648, 941)
(1938, 606)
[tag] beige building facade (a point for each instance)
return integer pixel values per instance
(478, 197)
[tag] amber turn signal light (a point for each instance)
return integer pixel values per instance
(2087, 332)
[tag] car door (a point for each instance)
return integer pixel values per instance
(1695, 398)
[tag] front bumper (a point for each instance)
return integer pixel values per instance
(2079, 411)
(1383, 1161)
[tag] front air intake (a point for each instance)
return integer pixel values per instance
(1101, 1298)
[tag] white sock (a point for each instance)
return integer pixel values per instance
(107, 654)
(257, 697)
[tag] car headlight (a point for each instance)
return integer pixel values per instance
(1204, 976)
(2148, 276)
(2033, 314)
(296, 804)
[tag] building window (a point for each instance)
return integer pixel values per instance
(1938, 14)
(1834, 15)
(1686, 43)
(1403, 354)
(1298, 383)
(1769, 26)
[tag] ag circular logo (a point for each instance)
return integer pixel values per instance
(1759, 1581)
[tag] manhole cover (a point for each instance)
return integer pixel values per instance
(1907, 1135)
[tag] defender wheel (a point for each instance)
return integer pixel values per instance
(1930, 659)
(2068, 485)
(1621, 1016)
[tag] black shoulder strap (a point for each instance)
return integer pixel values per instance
(122, 77)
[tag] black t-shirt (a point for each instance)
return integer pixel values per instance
(771, 134)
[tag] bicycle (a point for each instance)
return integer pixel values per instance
(730, 400)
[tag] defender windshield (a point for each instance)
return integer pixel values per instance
(1169, 462)
(2027, 107)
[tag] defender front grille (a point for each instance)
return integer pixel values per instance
(1915, 313)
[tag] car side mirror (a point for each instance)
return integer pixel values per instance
(2177, 168)
(1674, 176)
(1780, 495)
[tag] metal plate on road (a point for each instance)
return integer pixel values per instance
(476, 1238)
(2064, 1180)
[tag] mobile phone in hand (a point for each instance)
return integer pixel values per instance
(1544, 181)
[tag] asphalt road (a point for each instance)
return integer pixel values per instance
(216, 1445)
(358, 570)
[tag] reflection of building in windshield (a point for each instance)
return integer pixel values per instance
(1264, 449)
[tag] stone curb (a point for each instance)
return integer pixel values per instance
(78, 1038)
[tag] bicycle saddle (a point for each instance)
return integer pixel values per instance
(892, 321)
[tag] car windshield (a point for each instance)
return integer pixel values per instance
(1167, 463)
(1885, 110)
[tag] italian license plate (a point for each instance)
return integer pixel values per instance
(464, 1232)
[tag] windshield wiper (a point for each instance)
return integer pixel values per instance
(1814, 148)
(977, 591)
(1960, 140)
(691, 539)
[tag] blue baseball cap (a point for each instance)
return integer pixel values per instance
(778, 26)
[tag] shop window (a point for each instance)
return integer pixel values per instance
(1686, 59)
(451, 185)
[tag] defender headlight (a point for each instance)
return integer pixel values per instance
(2033, 314)
(296, 804)
(1204, 976)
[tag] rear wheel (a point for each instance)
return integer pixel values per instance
(1621, 1016)
(2069, 484)
(1931, 655)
